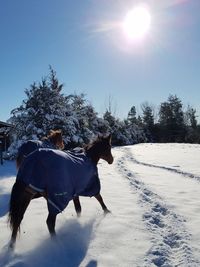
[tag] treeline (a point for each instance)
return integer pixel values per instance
(173, 123)
(46, 107)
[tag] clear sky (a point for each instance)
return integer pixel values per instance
(86, 45)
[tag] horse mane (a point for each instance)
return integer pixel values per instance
(97, 144)
(93, 142)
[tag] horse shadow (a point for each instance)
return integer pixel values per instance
(4, 203)
(92, 263)
(68, 249)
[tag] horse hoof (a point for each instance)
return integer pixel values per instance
(53, 235)
(78, 214)
(12, 245)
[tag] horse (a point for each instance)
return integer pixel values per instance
(53, 140)
(39, 172)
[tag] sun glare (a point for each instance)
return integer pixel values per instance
(137, 22)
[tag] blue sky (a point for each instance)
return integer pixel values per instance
(84, 43)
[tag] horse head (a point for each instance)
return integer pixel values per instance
(100, 149)
(55, 137)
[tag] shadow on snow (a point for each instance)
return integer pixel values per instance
(68, 249)
(4, 203)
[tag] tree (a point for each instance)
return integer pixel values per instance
(131, 118)
(190, 117)
(192, 133)
(43, 109)
(171, 120)
(147, 116)
(148, 120)
(87, 121)
(116, 128)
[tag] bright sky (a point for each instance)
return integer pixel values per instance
(86, 44)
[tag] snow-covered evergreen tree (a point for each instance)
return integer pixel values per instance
(124, 132)
(44, 108)
(88, 124)
(135, 128)
(132, 116)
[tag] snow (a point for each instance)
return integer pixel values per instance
(152, 191)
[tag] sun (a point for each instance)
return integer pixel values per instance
(137, 22)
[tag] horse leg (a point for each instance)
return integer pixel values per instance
(77, 205)
(16, 224)
(51, 222)
(101, 202)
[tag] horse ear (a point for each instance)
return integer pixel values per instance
(59, 131)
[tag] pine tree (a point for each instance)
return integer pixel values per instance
(43, 109)
(87, 121)
(190, 117)
(147, 117)
(171, 120)
(132, 116)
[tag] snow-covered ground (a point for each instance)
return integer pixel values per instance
(153, 191)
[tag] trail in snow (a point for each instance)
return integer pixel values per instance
(187, 174)
(170, 238)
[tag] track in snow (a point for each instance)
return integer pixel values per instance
(169, 236)
(186, 174)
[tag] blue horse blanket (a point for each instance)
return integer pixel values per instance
(61, 175)
(31, 145)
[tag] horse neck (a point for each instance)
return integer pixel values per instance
(93, 155)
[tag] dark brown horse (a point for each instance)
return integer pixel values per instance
(52, 140)
(98, 197)
(78, 176)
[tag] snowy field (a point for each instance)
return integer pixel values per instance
(153, 192)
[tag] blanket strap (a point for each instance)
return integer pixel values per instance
(34, 190)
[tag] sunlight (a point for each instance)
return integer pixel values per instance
(137, 22)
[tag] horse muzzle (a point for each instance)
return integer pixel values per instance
(110, 160)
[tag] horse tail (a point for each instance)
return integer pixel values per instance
(16, 205)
